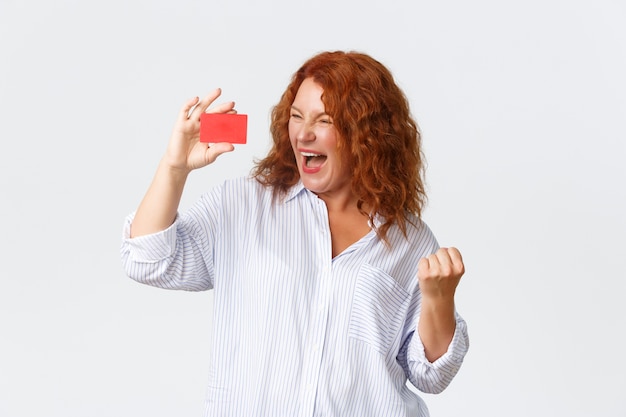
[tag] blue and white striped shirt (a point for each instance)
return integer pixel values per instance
(297, 332)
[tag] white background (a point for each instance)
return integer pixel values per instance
(522, 106)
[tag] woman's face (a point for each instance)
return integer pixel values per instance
(314, 141)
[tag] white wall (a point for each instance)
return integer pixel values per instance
(522, 107)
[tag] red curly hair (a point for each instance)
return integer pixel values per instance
(377, 135)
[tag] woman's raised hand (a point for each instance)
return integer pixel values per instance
(185, 152)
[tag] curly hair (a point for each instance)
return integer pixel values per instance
(377, 135)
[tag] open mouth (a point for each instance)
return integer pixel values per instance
(313, 160)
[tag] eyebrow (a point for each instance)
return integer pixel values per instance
(316, 116)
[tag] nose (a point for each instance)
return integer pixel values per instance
(305, 132)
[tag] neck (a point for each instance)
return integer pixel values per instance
(339, 202)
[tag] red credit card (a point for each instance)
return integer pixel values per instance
(222, 127)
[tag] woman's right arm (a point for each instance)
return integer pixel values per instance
(184, 153)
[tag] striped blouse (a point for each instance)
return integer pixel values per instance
(296, 331)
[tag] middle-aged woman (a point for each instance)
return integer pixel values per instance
(329, 290)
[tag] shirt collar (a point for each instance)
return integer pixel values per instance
(299, 188)
(294, 191)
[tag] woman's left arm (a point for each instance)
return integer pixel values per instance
(438, 275)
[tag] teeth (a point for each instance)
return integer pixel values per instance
(309, 154)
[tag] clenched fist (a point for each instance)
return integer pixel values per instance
(440, 273)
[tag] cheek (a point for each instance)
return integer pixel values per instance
(293, 142)
(330, 141)
(292, 132)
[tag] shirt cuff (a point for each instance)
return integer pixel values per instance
(150, 248)
(453, 357)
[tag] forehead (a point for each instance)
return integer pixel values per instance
(309, 94)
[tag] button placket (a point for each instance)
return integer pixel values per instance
(319, 316)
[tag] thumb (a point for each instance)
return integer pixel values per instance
(216, 149)
(423, 267)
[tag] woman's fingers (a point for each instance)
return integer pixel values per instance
(440, 272)
(204, 104)
(216, 149)
(456, 261)
(184, 149)
(445, 262)
(228, 107)
(185, 110)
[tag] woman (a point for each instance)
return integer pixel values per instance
(330, 292)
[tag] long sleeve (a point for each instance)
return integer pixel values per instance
(434, 377)
(179, 257)
(296, 331)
